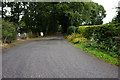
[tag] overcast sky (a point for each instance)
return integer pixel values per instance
(109, 6)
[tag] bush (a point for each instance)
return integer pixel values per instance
(100, 32)
(71, 29)
(76, 38)
(9, 32)
(59, 28)
(23, 37)
(87, 31)
(81, 30)
(102, 37)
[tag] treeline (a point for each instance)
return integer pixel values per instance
(46, 17)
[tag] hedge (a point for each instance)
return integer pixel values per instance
(103, 37)
(100, 32)
(71, 29)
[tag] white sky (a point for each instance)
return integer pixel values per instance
(109, 6)
(8, 10)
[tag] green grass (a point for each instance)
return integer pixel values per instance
(6, 45)
(97, 53)
(15, 43)
(39, 37)
(25, 40)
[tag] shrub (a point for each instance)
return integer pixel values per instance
(75, 41)
(9, 32)
(71, 29)
(23, 37)
(86, 31)
(76, 38)
(81, 30)
(100, 32)
(102, 37)
(59, 28)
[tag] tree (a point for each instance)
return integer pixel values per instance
(9, 32)
(117, 18)
(97, 14)
(45, 17)
(16, 9)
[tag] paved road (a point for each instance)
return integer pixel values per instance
(53, 58)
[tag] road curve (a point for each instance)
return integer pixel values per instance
(53, 58)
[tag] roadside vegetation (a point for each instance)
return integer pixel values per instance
(17, 42)
(101, 41)
(10, 34)
(9, 31)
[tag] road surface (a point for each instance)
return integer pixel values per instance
(53, 58)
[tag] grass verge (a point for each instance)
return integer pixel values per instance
(17, 42)
(97, 53)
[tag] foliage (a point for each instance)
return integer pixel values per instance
(117, 18)
(71, 29)
(76, 38)
(100, 32)
(16, 11)
(0, 29)
(45, 17)
(103, 38)
(99, 54)
(81, 30)
(103, 50)
(9, 32)
(108, 47)
(59, 28)
(23, 37)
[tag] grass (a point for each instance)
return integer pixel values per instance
(25, 40)
(101, 55)
(97, 53)
(15, 43)
(6, 46)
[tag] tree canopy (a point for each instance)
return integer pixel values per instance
(117, 18)
(46, 16)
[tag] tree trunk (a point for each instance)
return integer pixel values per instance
(4, 41)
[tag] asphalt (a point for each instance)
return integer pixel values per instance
(53, 58)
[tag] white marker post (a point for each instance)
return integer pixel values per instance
(41, 33)
(18, 38)
(19, 34)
